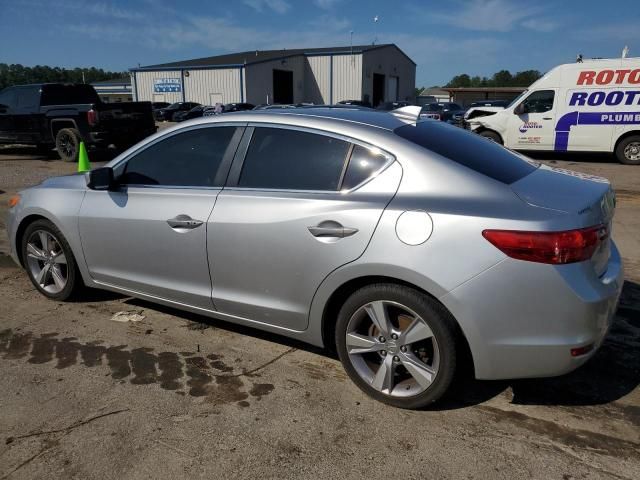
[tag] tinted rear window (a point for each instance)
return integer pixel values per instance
(468, 149)
(68, 94)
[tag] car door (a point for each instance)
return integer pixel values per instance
(532, 125)
(149, 234)
(297, 206)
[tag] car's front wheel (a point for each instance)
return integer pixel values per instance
(49, 261)
(397, 344)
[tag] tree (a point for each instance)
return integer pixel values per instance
(458, 81)
(16, 74)
(503, 78)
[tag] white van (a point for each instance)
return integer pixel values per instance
(583, 107)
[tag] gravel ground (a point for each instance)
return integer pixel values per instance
(176, 395)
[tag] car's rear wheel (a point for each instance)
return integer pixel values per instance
(49, 261)
(491, 136)
(397, 344)
(628, 150)
(68, 144)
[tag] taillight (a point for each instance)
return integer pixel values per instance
(92, 117)
(548, 247)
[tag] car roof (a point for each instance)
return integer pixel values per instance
(374, 118)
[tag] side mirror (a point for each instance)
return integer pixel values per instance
(100, 179)
(520, 109)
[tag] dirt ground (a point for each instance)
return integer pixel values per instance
(176, 395)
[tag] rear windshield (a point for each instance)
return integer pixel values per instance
(468, 149)
(68, 94)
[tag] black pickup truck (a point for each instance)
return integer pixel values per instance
(61, 115)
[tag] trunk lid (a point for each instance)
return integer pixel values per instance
(589, 197)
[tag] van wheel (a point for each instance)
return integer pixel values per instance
(628, 151)
(397, 344)
(491, 136)
(68, 144)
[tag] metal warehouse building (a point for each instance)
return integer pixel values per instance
(320, 75)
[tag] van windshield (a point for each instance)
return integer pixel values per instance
(517, 99)
(468, 149)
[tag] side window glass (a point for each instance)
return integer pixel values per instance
(280, 158)
(27, 99)
(364, 163)
(189, 159)
(539, 102)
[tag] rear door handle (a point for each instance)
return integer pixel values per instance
(184, 222)
(339, 231)
(547, 118)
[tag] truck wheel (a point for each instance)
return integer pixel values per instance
(628, 151)
(491, 136)
(68, 144)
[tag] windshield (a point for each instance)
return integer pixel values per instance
(517, 99)
(469, 149)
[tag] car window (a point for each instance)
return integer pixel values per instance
(468, 149)
(27, 98)
(62, 94)
(539, 102)
(8, 98)
(294, 160)
(364, 163)
(189, 159)
(432, 107)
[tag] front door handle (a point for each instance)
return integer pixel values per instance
(184, 222)
(547, 118)
(332, 229)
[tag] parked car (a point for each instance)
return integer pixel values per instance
(388, 106)
(483, 108)
(159, 105)
(360, 103)
(444, 111)
(405, 246)
(166, 114)
(273, 106)
(63, 115)
(195, 112)
(238, 107)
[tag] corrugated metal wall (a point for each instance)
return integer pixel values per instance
(388, 61)
(259, 77)
(210, 86)
(202, 86)
(144, 84)
(347, 77)
(317, 86)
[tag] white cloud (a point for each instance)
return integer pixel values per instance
(493, 16)
(278, 6)
(326, 4)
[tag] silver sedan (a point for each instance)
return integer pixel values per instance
(404, 245)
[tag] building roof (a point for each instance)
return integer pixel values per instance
(258, 56)
(115, 82)
(485, 89)
(433, 91)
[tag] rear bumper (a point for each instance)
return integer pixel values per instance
(522, 319)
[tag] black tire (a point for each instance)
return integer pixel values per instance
(434, 314)
(68, 144)
(73, 279)
(628, 150)
(491, 135)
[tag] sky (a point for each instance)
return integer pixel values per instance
(444, 38)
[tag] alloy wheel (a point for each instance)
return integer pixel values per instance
(632, 151)
(392, 348)
(47, 261)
